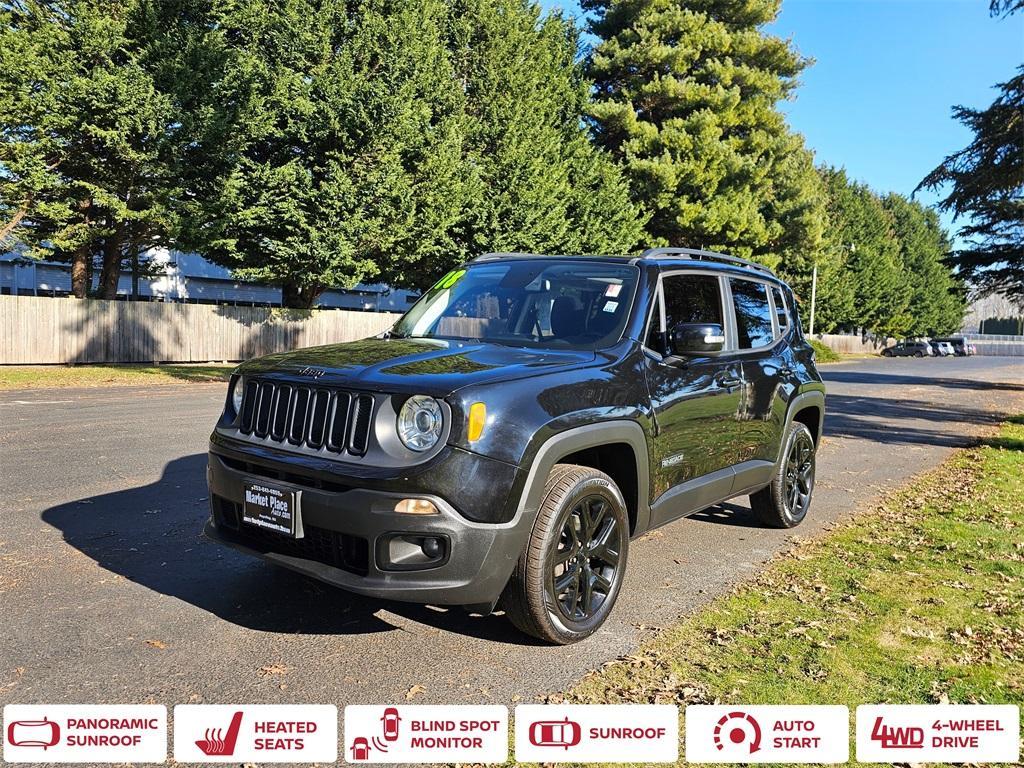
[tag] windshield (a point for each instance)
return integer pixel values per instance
(556, 304)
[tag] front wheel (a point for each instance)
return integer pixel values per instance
(568, 578)
(784, 503)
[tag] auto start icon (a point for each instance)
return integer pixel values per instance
(741, 729)
(767, 734)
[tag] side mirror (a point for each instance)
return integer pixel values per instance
(696, 338)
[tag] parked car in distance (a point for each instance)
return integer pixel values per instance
(517, 427)
(942, 348)
(909, 348)
(961, 347)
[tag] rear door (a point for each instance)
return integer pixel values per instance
(761, 320)
(696, 400)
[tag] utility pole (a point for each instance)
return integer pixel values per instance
(814, 295)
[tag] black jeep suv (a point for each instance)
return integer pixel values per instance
(527, 417)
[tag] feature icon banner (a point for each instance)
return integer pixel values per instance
(938, 733)
(259, 733)
(419, 733)
(606, 733)
(767, 734)
(118, 733)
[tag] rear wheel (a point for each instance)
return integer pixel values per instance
(886, 353)
(568, 578)
(784, 503)
(919, 353)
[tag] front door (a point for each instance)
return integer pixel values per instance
(696, 401)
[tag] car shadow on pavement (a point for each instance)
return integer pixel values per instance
(151, 535)
(891, 421)
(874, 378)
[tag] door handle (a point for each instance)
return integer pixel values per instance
(728, 379)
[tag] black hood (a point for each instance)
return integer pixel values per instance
(428, 366)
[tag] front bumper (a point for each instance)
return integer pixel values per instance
(346, 527)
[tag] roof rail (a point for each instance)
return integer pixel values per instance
(691, 253)
(513, 255)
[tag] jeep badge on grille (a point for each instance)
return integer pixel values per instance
(313, 373)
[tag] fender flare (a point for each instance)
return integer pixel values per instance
(561, 444)
(815, 397)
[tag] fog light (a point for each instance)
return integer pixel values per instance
(432, 547)
(416, 507)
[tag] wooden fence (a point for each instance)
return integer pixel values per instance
(47, 330)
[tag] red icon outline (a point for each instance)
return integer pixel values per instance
(542, 733)
(894, 737)
(738, 735)
(219, 745)
(52, 741)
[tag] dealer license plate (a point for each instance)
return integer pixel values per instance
(275, 509)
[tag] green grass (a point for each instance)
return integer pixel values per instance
(44, 376)
(823, 353)
(917, 601)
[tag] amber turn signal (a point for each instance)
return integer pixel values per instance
(477, 419)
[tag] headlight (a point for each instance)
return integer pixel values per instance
(419, 423)
(236, 394)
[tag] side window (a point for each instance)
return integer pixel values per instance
(780, 309)
(753, 313)
(688, 299)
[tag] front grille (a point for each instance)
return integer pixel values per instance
(340, 550)
(312, 417)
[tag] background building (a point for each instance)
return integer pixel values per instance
(188, 277)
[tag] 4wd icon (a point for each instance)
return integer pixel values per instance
(938, 733)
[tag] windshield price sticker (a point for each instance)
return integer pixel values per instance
(736, 733)
(262, 733)
(40, 733)
(607, 733)
(426, 734)
(938, 733)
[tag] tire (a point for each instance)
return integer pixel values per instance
(886, 353)
(919, 353)
(785, 501)
(590, 568)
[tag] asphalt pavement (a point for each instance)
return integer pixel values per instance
(108, 594)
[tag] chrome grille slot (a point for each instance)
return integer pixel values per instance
(318, 418)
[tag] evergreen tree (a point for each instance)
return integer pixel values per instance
(544, 186)
(346, 142)
(936, 297)
(986, 187)
(92, 115)
(686, 98)
(395, 139)
(864, 232)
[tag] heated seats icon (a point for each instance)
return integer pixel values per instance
(33, 733)
(216, 743)
(555, 733)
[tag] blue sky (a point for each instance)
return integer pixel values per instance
(877, 99)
